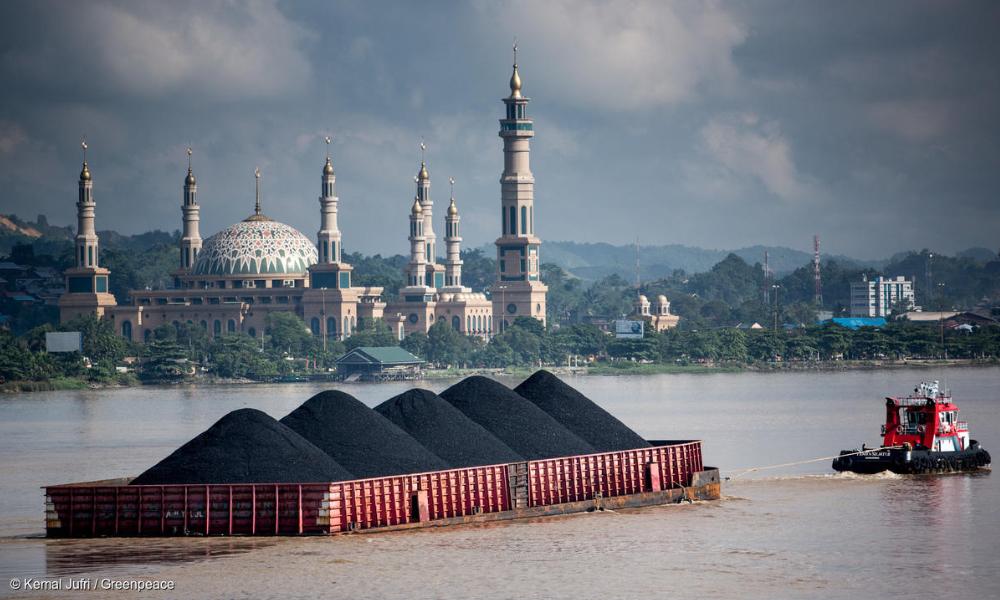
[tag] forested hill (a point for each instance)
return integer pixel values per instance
(593, 261)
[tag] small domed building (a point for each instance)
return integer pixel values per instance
(656, 314)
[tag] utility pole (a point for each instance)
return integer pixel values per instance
(776, 287)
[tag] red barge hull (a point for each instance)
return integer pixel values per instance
(667, 472)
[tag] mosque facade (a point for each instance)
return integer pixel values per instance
(232, 281)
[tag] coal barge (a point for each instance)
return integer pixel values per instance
(921, 434)
(251, 475)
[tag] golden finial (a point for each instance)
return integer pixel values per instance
(189, 180)
(423, 165)
(328, 167)
(85, 172)
(256, 174)
(452, 209)
(515, 79)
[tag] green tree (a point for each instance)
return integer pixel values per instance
(167, 362)
(445, 346)
(239, 356)
(416, 344)
(288, 334)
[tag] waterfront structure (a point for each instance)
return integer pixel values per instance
(232, 281)
(518, 290)
(656, 314)
(878, 296)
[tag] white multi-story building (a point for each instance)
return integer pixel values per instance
(877, 297)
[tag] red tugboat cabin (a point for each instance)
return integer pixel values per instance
(926, 419)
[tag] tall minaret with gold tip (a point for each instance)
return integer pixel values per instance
(328, 238)
(86, 292)
(435, 272)
(191, 213)
(331, 304)
(518, 291)
(453, 245)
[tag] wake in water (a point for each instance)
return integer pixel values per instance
(844, 476)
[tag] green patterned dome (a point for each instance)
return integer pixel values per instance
(256, 247)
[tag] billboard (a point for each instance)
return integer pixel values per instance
(629, 330)
(63, 341)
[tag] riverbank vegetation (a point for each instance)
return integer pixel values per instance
(288, 349)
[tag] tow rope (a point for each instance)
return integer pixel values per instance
(741, 472)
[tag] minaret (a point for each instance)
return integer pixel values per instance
(453, 244)
(427, 205)
(519, 290)
(86, 235)
(417, 269)
(435, 272)
(86, 291)
(331, 305)
(191, 212)
(328, 238)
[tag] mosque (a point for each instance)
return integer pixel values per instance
(231, 281)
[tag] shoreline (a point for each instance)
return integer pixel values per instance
(605, 369)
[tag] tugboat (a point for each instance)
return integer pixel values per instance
(921, 435)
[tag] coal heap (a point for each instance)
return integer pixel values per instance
(527, 429)
(245, 446)
(578, 413)
(359, 438)
(445, 431)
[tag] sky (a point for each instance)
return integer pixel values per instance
(874, 125)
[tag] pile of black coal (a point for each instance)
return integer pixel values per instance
(578, 413)
(245, 446)
(445, 431)
(527, 429)
(365, 442)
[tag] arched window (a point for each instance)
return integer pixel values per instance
(146, 334)
(177, 324)
(252, 332)
(231, 326)
(524, 220)
(204, 325)
(217, 328)
(127, 329)
(314, 325)
(468, 324)
(456, 323)
(347, 327)
(331, 327)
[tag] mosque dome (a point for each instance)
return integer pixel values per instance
(256, 247)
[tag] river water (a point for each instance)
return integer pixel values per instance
(793, 532)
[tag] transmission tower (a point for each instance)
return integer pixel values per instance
(817, 277)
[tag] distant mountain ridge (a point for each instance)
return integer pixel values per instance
(587, 260)
(593, 261)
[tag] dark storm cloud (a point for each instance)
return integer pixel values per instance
(717, 125)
